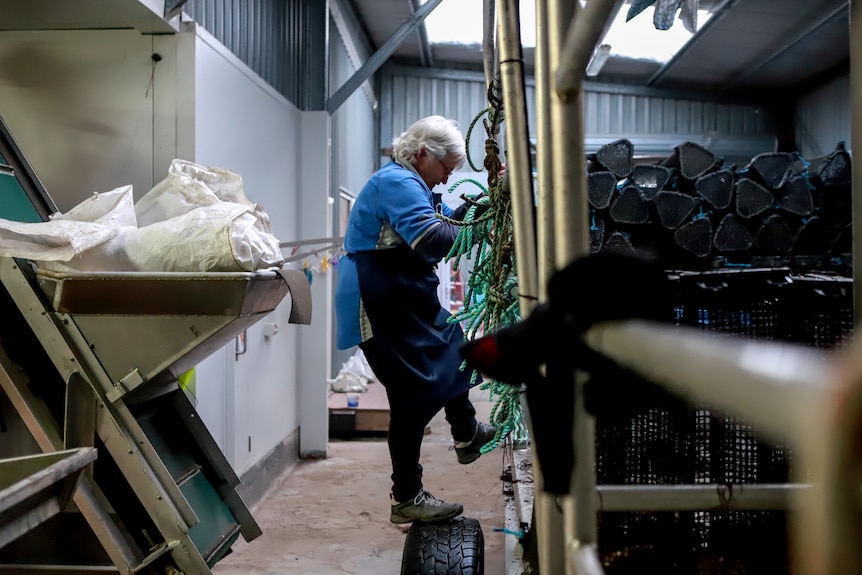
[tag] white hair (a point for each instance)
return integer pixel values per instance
(440, 136)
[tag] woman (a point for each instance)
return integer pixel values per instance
(386, 303)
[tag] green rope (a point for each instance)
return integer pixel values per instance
(491, 295)
(495, 118)
(469, 134)
(467, 180)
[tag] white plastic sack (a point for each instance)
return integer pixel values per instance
(196, 220)
(355, 374)
(93, 222)
(186, 187)
(210, 239)
(223, 237)
(114, 209)
(349, 382)
(192, 204)
(361, 365)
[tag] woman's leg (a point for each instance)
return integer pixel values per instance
(405, 442)
(406, 429)
(461, 416)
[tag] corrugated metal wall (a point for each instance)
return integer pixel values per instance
(353, 127)
(406, 98)
(823, 119)
(653, 120)
(283, 41)
(614, 114)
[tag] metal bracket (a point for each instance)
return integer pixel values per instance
(173, 8)
(157, 552)
(240, 344)
(125, 385)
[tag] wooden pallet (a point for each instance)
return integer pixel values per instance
(372, 414)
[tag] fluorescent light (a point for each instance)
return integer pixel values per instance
(597, 62)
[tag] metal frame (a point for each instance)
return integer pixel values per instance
(34, 488)
(785, 390)
(379, 58)
(128, 445)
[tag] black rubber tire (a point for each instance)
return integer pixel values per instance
(456, 547)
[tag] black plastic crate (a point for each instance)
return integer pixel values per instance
(671, 443)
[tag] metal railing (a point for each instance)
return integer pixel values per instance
(787, 391)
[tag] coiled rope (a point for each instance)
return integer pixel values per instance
(490, 299)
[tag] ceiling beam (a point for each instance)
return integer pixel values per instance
(720, 12)
(811, 24)
(380, 57)
(424, 44)
(173, 8)
(352, 34)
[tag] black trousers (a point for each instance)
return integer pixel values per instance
(406, 432)
(407, 422)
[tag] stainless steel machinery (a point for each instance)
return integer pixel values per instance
(90, 362)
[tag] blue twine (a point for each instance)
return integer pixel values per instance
(519, 534)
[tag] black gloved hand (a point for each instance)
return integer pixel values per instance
(544, 350)
(482, 208)
(461, 211)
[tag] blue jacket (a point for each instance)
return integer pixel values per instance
(395, 209)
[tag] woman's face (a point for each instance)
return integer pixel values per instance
(432, 170)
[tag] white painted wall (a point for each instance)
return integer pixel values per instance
(315, 344)
(92, 111)
(242, 124)
(354, 144)
(80, 106)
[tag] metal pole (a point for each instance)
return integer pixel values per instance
(836, 507)
(489, 55)
(856, 158)
(778, 388)
(544, 150)
(567, 238)
(842, 524)
(738, 497)
(571, 232)
(584, 33)
(518, 166)
(548, 516)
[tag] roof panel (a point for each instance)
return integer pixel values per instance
(381, 18)
(752, 43)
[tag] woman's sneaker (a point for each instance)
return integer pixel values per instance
(424, 507)
(468, 452)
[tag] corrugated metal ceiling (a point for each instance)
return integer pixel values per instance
(748, 46)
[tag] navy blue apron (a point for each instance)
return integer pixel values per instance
(414, 351)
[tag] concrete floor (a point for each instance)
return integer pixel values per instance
(331, 516)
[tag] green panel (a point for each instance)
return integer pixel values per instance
(171, 441)
(217, 523)
(218, 528)
(14, 203)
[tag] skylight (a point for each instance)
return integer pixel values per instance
(460, 22)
